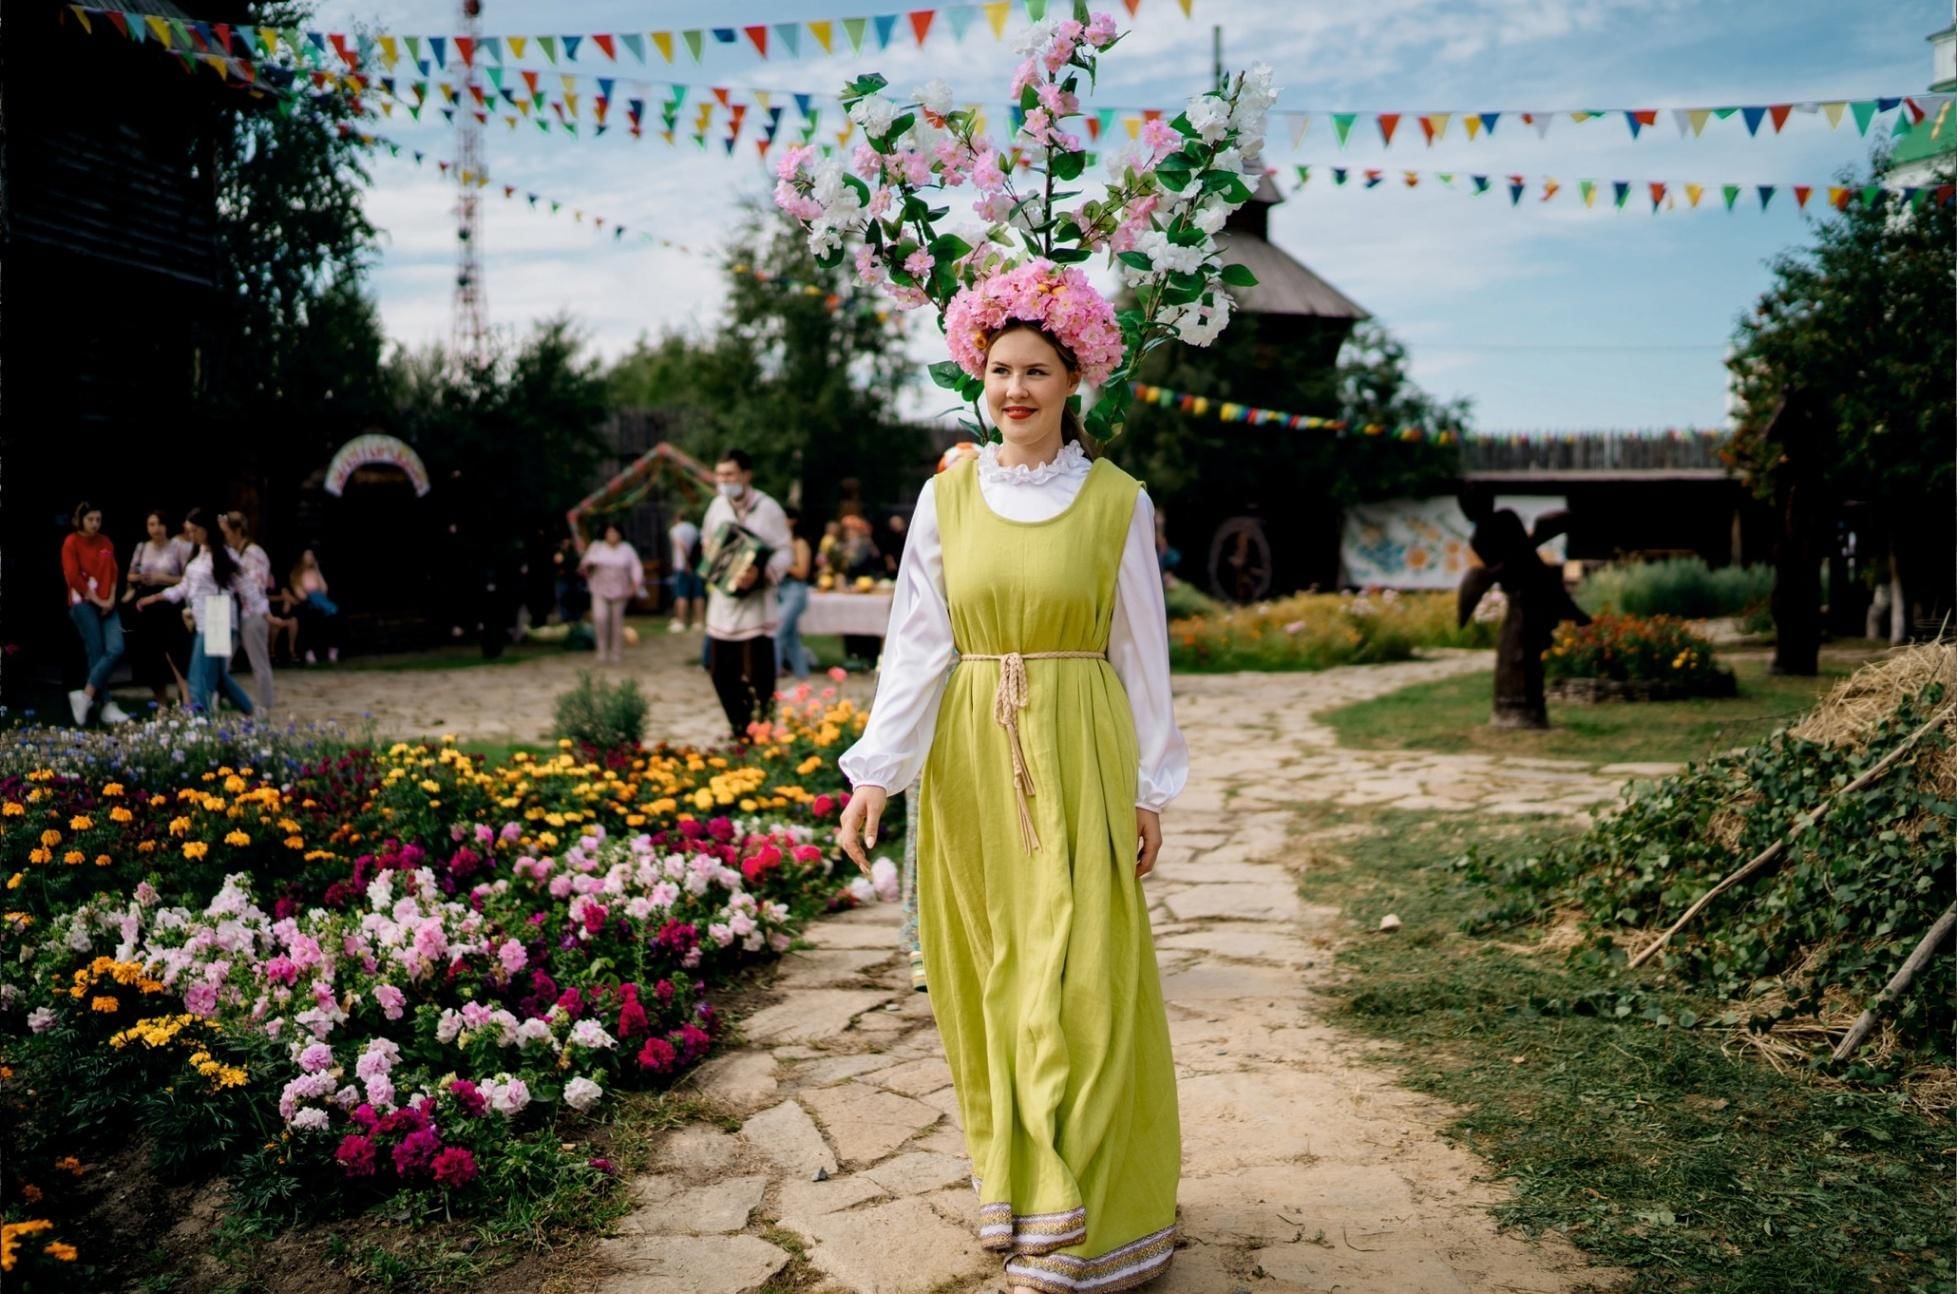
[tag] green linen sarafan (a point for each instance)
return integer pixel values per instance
(1041, 965)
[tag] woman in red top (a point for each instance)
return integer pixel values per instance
(88, 563)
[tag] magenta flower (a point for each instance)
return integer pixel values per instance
(416, 1152)
(455, 1168)
(356, 1156)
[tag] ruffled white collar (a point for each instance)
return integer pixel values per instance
(1072, 460)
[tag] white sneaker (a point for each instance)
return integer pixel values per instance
(675, 627)
(78, 701)
(312, 658)
(113, 713)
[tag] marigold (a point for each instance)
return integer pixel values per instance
(50, 837)
(237, 839)
(179, 826)
(103, 860)
(146, 847)
(12, 809)
(105, 1004)
(60, 1251)
(10, 1235)
(80, 822)
(74, 857)
(69, 1164)
(195, 849)
(120, 815)
(39, 854)
(110, 790)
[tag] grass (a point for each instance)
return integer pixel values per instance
(1452, 716)
(1647, 1144)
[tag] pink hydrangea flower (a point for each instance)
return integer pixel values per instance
(1061, 301)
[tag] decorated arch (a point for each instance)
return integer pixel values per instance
(372, 450)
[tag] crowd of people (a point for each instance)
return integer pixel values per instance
(189, 599)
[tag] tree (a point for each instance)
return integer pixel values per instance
(804, 373)
(1202, 471)
(1843, 373)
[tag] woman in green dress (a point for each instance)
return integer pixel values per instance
(1025, 676)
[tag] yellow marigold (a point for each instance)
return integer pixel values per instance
(146, 847)
(547, 839)
(10, 1237)
(808, 766)
(295, 842)
(105, 1004)
(12, 809)
(747, 805)
(237, 839)
(318, 855)
(103, 860)
(631, 820)
(179, 826)
(80, 822)
(74, 857)
(158, 801)
(195, 849)
(38, 854)
(120, 815)
(50, 837)
(112, 789)
(430, 785)
(60, 1251)
(234, 784)
(554, 819)
(21, 919)
(13, 882)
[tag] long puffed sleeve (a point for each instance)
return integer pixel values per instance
(1138, 648)
(917, 650)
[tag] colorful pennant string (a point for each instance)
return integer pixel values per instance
(1663, 195)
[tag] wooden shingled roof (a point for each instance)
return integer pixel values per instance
(1285, 286)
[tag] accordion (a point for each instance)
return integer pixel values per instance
(729, 555)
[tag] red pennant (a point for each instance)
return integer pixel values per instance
(122, 23)
(1094, 128)
(1915, 111)
(482, 117)
(476, 90)
(1388, 123)
(530, 79)
(509, 190)
(761, 146)
(735, 116)
(443, 165)
(604, 41)
(759, 35)
(1151, 114)
(1657, 194)
(1778, 112)
(222, 30)
(466, 47)
(921, 22)
(1133, 6)
(1801, 194)
(1427, 128)
(1945, 192)
(340, 47)
(720, 93)
(1646, 116)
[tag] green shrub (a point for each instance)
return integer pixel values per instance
(1309, 631)
(603, 716)
(1185, 599)
(1679, 586)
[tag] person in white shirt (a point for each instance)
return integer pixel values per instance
(254, 605)
(615, 575)
(689, 591)
(741, 624)
(213, 576)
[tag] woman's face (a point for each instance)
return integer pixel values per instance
(613, 535)
(158, 532)
(197, 534)
(1026, 388)
(230, 531)
(92, 523)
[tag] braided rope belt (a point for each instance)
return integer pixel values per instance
(1007, 702)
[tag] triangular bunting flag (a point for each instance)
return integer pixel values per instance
(1388, 123)
(466, 48)
(1864, 110)
(995, 14)
(886, 23)
(1833, 110)
(1488, 120)
(921, 23)
(1777, 113)
(1657, 195)
(1550, 188)
(1693, 192)
(758, 35)
(1588, 188)
(1304, 175)
(1515, 190)
(663, 42)
(1471, 122)
(606, 45)
(1299, 124)
(960, 17)
(492, 46)
(1871, 196)
(571, 47)
(1731, 192)
(694, 39)
(1480, 182)
(1373, 176)
(1753, 117)
(1410, 178)
(790, 36)
(854, 28)
(1766, 192)
(1342, 125)
(635, 45)
(1434, 126)
(517, 45)
(548, 44)
(1620, 191)
(824, 32)
(1802, 192)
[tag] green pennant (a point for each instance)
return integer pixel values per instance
(496, 78)
(1871, 194)
(693, 39)
(1036, 9)
(1342, 123)
(537, 102)
(1105, 116)
(548, 44)
(679, 96)
(1864, 110)
(853, 27)
(414, 47)
(700, 142)
(1304, 175)
(1586, 188)
(494, 46)
(414, 110)
(1917, 199)
(1731, 192)
(1724, 113)
(570, 126)
(1445, 177)
(556, 207)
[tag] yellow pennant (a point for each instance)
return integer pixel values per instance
(161, 27)
(996, 14)
(217, 63)
(1437, 124)
(1699, 117)
(842, 136)
(448, 92)
(1693, 192)
(1473, 124)
(268, 40)
(387, 107)
(570, 104)
(761, 100)
(523, 106)
(1200, 406)
(1550, 188)
(1579, 117)
(1834, 111)
(511, 120)
(664, 41)
(516, 44)
(390, 53)
(570, 83)
(978, 119)
(824, 32)
(1133, 125)
(1590, 196)
(1185, 6)
(81, 16)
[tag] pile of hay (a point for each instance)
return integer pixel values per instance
(1872, 693)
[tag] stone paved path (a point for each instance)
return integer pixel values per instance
(1305, 1168)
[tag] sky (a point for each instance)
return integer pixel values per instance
(1547, 316)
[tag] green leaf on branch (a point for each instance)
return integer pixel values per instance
(899, 126)
(861, 189)
(1068, 255)
(949, 247)
(947, 374)
(1175, 179)
(1182, 127)
(972, 389)
(1238, 276)
(1136, 261)
(1029, 99)
(1068, 166)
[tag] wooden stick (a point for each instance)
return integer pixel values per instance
(1801, 823)
(1865, 1023)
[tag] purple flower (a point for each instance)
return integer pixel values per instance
(417, 1151)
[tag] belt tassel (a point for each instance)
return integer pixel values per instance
(1007, 702)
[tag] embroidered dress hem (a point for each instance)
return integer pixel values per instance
(1124, 1268)
(1002, 1230)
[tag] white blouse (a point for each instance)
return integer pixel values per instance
(918, 651)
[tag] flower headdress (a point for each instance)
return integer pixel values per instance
(1165, 197)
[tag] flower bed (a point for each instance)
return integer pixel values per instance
(336, 974)
(1633, 658)
(1311, 631)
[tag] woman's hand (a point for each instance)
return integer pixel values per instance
(1148, 827)
(857, 832)
(146, 601)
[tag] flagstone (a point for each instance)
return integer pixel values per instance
(668, 1208)
(812, 1199)
(696, 1152)
(915, 1077)
(903, 1247)
(787, 1136)
(830, 967)
(919, 1171)
(688, 1264)
(830, 935)
(742, 1079)
(1240, 941)
(1237, 902)
(810, 1015)
(866, 1123)
(834, 1069)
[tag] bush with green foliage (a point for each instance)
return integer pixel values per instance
(601, 715)
(1678, 586)
(1632, 649)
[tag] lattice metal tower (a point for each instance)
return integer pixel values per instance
(469, 328)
